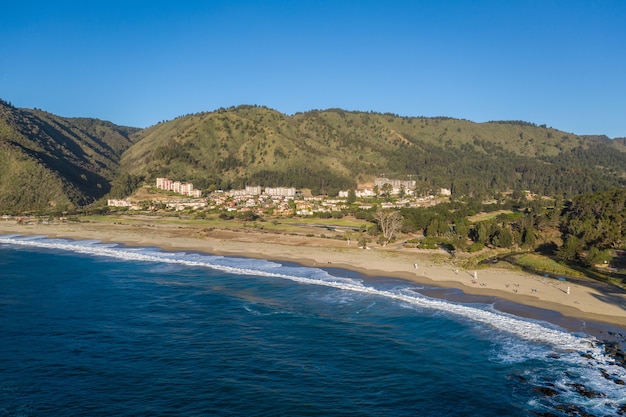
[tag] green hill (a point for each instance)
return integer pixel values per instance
(53, 163)
(335, 149)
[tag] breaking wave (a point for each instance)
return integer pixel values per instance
(579, 355)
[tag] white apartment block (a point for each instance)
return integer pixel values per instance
(396, 185)
(253, 190)
(368, 192)
(118, 203)
(238, 193)
(280, 191)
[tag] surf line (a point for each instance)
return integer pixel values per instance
(532, 331)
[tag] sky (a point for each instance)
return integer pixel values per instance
(136, 62)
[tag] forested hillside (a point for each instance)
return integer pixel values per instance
(335, 149)
(53, 163)
(593, 222)
(49, 162)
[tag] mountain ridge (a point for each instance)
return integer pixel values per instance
(58, 163)
(327, 149)
(77, 161)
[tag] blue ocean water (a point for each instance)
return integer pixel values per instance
(91, 329)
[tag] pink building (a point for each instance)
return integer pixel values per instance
(177, 187)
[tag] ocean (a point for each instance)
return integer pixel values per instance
(92, 329)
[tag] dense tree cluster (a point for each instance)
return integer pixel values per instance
(593, 223)
(125, 185)
(319, 181)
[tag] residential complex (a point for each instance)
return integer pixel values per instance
(256, 190)
(178, 187)
(280, 200)
(397, 185)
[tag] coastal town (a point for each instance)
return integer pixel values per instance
(257, 208)
(178, 196)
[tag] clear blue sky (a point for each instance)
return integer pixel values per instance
(560, 63)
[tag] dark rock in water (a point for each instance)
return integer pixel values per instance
(622, 410)
(586, 392)
(544, 414)
(605, 374)
(613, 350)
(569, 409)
(612, 378)
(520, 378)
(586, 355)
(573, 410)
(547, 391)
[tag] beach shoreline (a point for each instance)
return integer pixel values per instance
(596, 309)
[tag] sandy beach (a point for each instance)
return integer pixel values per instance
(585, 301)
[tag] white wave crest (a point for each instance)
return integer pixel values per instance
(525, 329)
(568, 347)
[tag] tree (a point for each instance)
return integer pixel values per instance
(351, 196)
(570, 249)
(432, 228)
(248, 216)
(292, 207)
(386, 190)
(125, 185)
(529, 238)
(597, 219)
(503, 238)
(482, 233)
(462, 228)
(596, 256)
(437, 227)
(389, 222)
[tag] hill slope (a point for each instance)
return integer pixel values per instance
(48, 161)
(335, 149)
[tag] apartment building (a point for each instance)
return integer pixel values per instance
(178, 187)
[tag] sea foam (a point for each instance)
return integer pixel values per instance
(530, 330)
(525, 329)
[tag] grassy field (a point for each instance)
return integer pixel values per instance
(302, 226)
(544, 264)
(480, 217)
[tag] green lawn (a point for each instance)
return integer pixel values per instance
(545, 264)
